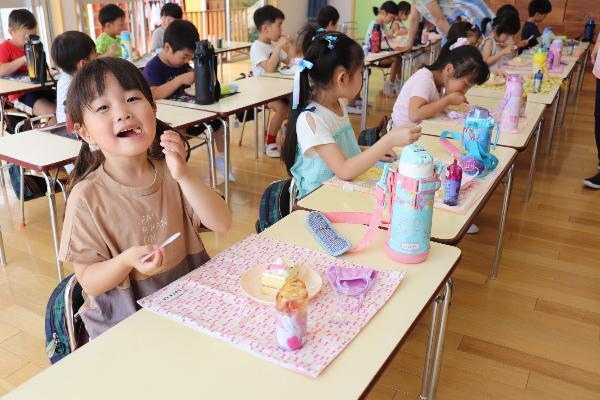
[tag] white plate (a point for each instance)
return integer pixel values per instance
(250, 283)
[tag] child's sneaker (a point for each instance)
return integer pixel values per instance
(272, 151)
(388, 89)
(220, 164)
(593, 182)
(473, 229)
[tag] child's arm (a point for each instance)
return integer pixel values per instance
(100, 277)
(492, 59)
(438, 17)
(271, 64)
(206, 203)
(415, 17)
(11, 67)
(167, 89)
(348, 169)
(419, 109)
(110, 52)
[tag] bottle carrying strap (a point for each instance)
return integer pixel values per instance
(448, 146)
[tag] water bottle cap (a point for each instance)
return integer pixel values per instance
(125, 36)
(515, 78)
(557, 42)
(415, 162)
(478, 112)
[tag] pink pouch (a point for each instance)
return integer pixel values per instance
(350, 283)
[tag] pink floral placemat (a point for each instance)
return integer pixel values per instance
(211, 300)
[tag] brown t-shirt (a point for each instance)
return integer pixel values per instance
(104, 218)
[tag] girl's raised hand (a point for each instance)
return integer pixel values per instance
(174, 151)
(403, 135)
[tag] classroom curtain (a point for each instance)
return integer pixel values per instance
(314, 6)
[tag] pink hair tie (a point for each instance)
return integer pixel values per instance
(459, 42)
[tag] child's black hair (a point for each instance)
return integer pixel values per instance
(404, 7)
(308, 34)
(90, 83)
(327, 15)
(69, 48)
(21, 18)
(543, 7)
(345, 53)
(110, 13)
(506, 21)
(181, 35)
(172, 10)
(462, 29)
(466, 60)
(388, 6)
(267, 15)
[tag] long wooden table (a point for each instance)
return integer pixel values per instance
(151, 357)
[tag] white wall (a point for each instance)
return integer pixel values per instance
(344, 7)
(296, 12)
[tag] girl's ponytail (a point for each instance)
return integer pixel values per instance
(290, 143)
(86, 162)
(484, 23)
(376, 11)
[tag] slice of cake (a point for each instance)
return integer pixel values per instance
(276, 274)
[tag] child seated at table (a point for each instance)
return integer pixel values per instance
(398, 27)
(538, 10)
(384, 15)
(168, 13)
(70, 51)
(328, 18)
(458, 67)
(133, 192)
(169, 73)
(266, 54)
(112, 19)
(22, 23)
(465, 29)
(321, 143)
(498, 47)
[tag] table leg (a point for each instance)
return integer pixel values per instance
(553, 122)
(505, 204)
(226, 156)
(585, 58)
(2, 114)
(255, 133)
(365, 99)
(221, 62)
(2, 253)
(566, 99)
(53, 222)
(211, 155)
(22, 197)
(430, 345)
(577, 78)
(538, 136)
(445, 298)
(263, 136)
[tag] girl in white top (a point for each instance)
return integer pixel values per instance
(458, 67)
(498, 47)
(321, 142)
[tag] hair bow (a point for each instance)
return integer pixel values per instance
(459, 42)
(302, 65)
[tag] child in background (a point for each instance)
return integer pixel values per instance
(169, 73)
(168, 13)
(458, 67)
(132, 193)
(22, 23)
(112, 19)
(467, 30)
(386, 14)
(321, 142)
(70, 51)
(594, 181)
(328, 18)
(266, 54)
(498, 47)
(538, 11)
(398, 27)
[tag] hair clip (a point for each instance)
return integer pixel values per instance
(459, 42)
(331, 40)
(320, 30)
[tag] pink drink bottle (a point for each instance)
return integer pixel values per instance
(556, 49)
(513, 98)
(452, 184)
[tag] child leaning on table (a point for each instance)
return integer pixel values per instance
(266, 54)
(321, 142)
(22, 23)
(132, 193)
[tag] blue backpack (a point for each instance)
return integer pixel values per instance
(57, 337)
(274, 204)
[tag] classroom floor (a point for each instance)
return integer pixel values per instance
(533, 333)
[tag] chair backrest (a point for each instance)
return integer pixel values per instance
(35, 122)
(70, 312)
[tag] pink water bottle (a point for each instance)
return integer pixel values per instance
(452, 184)
(375, 39)
(512, 98)
(556, 50)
